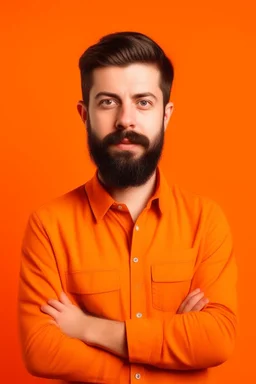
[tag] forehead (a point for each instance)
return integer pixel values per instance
(133, 78)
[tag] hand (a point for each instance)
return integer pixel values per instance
(195, 301)
(70, 319)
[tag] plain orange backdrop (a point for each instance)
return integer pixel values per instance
(210, 141)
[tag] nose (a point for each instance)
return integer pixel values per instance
(126, 117)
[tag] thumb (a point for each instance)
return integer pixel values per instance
(64, 299)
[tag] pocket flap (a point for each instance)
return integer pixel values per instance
(89, 282)
(172, 272)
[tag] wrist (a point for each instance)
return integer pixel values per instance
(88, 332)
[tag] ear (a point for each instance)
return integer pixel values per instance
(82, 110)
(168, 113)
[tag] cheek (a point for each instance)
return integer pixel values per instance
(151, 124)
(102, 123)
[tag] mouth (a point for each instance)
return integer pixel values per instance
(125, 144)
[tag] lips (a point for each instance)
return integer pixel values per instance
(125, 141)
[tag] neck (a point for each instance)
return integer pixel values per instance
(135, 198)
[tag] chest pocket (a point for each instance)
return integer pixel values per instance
(170, 283)
(96, 291)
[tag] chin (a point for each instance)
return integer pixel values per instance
(134, 151)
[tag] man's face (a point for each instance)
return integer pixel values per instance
(126, 122)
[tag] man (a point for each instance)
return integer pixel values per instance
(126, 278)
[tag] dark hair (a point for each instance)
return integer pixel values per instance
(121, 49)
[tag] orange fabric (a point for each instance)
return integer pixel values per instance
(86, 244)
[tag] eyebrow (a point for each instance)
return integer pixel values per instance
(116, 96)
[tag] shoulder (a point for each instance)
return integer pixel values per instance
(62, 207)
(198, 205)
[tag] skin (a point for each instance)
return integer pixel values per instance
(135, 103)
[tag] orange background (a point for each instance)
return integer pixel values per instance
(210, 143)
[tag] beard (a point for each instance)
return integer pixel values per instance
(120, 169)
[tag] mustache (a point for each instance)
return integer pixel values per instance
(118, 136)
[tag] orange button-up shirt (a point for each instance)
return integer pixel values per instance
(86, 244)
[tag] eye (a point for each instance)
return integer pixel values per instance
(107, 102)
(145, 103)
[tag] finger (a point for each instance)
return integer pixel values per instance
(184, 303)
(49, 310)
(56, 304)
(200, 305)
(192, 302)
(64, 299)
(53, 322)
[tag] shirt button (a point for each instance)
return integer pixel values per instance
(137, 227)
(120, 207)
(137, 376)
(138, 315)
(135, 260)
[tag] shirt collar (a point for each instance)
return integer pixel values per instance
(162, 192)
(101, 201)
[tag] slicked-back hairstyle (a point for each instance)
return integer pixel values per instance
(122, 49)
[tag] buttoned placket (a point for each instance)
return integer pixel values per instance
(137, 301)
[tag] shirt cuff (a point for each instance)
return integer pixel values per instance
(144, 340)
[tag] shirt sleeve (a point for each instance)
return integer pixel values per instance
(46, 351)
(195, 340)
